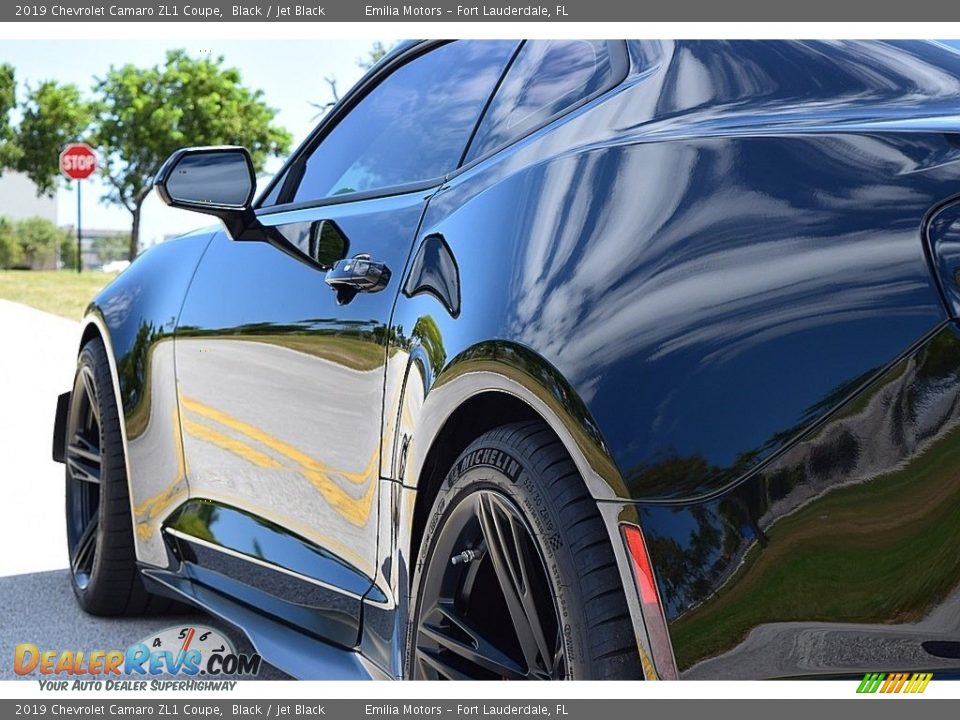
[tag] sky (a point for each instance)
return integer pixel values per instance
(290, 72)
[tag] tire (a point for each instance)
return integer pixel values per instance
(481, 607)
(103, 569)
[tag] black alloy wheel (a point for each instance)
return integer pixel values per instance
(84, 459)
(516, 577)
(488, 611)
(100, 544)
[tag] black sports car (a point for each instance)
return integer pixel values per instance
(555, 359)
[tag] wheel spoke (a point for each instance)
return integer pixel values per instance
(83, 459)
(479, 651)
(432, 658)
(90, 388)
(510, 565)
(86, 546)
(557, 665)
(486, 607)
(522, 549)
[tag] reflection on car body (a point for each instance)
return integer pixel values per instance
(703, 291)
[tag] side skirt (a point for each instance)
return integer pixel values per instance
(291, 650)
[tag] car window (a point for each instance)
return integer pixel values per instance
(413, 126)
(547, 77)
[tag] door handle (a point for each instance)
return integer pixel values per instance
(356, 275)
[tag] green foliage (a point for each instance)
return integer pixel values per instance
(68, 250)
(52, 116)
(9, 152)
(39, 239)
(10, 253)
(144, 114)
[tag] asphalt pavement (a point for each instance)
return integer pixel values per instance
(37, 356)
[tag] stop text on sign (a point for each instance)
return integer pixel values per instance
(78, 161)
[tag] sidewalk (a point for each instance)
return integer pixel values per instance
(37, 356)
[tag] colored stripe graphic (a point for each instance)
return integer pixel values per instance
(894, 683)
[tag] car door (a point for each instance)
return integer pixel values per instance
(280, 379)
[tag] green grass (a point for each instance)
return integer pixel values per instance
(62, 292)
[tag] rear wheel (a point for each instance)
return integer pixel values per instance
(516, 578)
(103, 566)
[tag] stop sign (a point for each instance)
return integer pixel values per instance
(78, 161)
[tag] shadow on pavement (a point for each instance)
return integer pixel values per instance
(39, 608)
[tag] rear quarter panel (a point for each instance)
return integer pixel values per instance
(700, 269)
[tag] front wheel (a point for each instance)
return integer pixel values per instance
(516, 578)
(103, 566)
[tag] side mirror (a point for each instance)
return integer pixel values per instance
(218, 181)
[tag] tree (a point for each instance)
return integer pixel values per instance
(68, 250)
(144, 114)
(10, 253)
(52, 116)
(9, 153)
(39, 239)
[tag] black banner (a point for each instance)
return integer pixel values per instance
(468, 11)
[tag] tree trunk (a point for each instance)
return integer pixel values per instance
(135, 233)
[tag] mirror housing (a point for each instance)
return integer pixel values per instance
(218, 181)
(221, 181)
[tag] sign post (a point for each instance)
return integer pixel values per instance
(78, 161)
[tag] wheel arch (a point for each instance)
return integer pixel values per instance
(490, 384)
(95, 327)
(472, 396)
(477, 415)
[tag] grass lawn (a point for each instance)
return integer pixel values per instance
(62, 292)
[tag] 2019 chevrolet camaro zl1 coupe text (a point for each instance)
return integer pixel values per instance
(556, 359)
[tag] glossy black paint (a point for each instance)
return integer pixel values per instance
(842, 550)
(711, 269)
(434, 271)
(240, 532)
(280, 644)
(140, 308)
(714, 281)
(280, 383)
(943, 234)
(136, 316)
(679, 296)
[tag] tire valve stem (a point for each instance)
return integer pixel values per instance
(469, 555)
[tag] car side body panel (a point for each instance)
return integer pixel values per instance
(838, 556)
(663, 271)
(692, 276)
(716, 283)
(136, 315)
